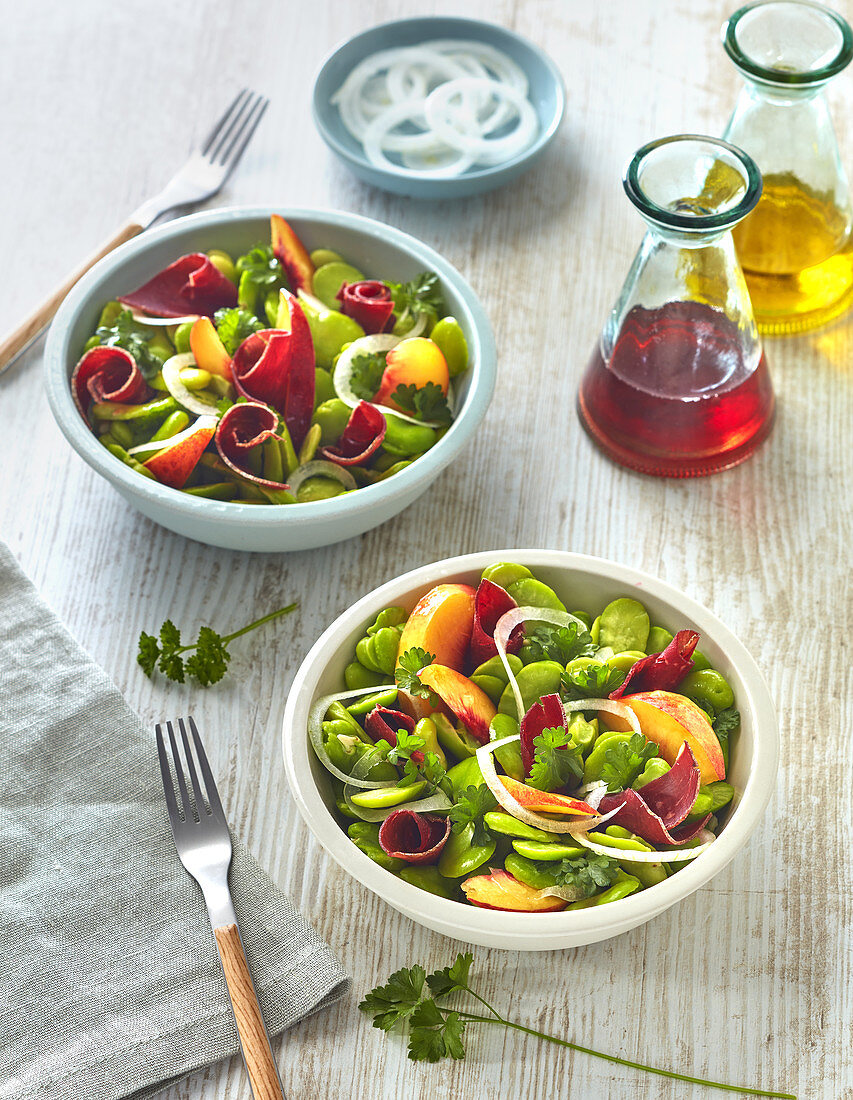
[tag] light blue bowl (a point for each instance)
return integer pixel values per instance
(547, 94)
(379, 251)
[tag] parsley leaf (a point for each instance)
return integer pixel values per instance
(556, 643)
(726, 722)
(234, 326)
(207, 665)
(471, 806)
(261, 268)
(587, 875)
(421, 294)
(397, 999)
(426, 402)
(408, 667)
(124, 333)
(367, 371)
(624, 761)
(595, 681)
(450, 978)
(555, 764)
(434, 1034)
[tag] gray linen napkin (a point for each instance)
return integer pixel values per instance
(110, 985)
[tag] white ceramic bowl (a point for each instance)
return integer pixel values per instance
(585, 583)
(377, 249)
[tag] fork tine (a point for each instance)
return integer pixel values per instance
(168, 785)
(224, 120)
(179, 773)
(195, 786)
(241, 139)
(209, 782)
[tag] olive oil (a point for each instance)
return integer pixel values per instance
(797, 255)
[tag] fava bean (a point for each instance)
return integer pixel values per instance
(223, 263)
(383, 797)
(307, 451)
(430, 879)
(357, 676)
(623, 886)
(658, 640)
(324, 387)
(182, 337)
(403, 438)
(425, 729)
(625, 660)
(330, 277)
(175, 422)
(458, 742)
(330, 333)
(448, 334)
(529, 592)
(624, 625)
(460, 857)
(365, 836)
(122, 434)
(508, 756)
(194, 378)
(322, 256)
(654, 769)
(331, 417)
(534, 849)
(219, 490)
(534, 680)
(366, 704)
(526, 871)
(497, 821)
(318, 488)
(616, 837)
(465, 774)
(121, 454)
(707, 688)
(712, 798)
(505, 573)
(594, 763)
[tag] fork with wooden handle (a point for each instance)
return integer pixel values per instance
(204, 847)
(202, 176)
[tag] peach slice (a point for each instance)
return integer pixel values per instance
(500, 890)
(174, 465)
(292, 255)
(469, 703)
(441, 623)
(415, 361)
(208, 349)
(544, 802)
(669, 720)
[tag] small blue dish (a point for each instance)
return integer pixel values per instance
(547, 94)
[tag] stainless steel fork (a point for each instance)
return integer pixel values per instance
(204, 846)
(202, 176)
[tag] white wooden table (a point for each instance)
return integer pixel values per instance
(748, 979)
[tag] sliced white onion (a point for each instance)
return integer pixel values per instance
(567, 893)
(161, 444)
(592, 793)
(315, 733)
(634, 856)
(513, 618)
(512, 805)
(144, 319)
(342, 375)
(185, 397)
(445, 106)
(611, 706)
(319, 467)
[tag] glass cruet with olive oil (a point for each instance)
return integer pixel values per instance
(678, 385)
(795, 248)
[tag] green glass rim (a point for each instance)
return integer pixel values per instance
(696, 223)
(780, 76)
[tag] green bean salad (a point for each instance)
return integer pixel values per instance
(493, 748)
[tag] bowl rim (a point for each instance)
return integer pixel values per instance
(550, 927)
(361, 162)
(79, 435)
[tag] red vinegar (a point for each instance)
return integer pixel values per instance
(678, 398)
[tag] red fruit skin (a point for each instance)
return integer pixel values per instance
(361, 438)
(368, 302)
(490, 603)
(292, 254)
(174, 465)
(192, 284)
(107, 374)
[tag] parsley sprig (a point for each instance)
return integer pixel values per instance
(411, 997)
(472, 805)
(125, 333)
(234, 326)
(409, 665)
(556, 643)
(596, 681)
(421, 294)
(624, 761)
(208, 664)
(555, 764)
(425, 402)
(366, 376)
(725, 723)
(430, 771)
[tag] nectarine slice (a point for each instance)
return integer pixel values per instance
(669, 720)
(500, 890)
(412, 362)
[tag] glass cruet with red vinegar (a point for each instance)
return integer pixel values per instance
(678, 385)
(796, 248)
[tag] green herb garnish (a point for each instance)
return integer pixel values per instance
(624, 761)
(593, 682)
(586, 875)
(426, 402)
(421, 295)
(471, 806)
(207, 665)
(409, 665)
(411, 996)
(366, 376)
(557, 643)
(234, 326)
(726, 722)
(555, 764)
(125, 333)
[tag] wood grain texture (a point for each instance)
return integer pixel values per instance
(749, 979)
(254, 1041)
(41, 317)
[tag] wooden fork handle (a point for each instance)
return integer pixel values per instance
(254, 1041)
(25, 333)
